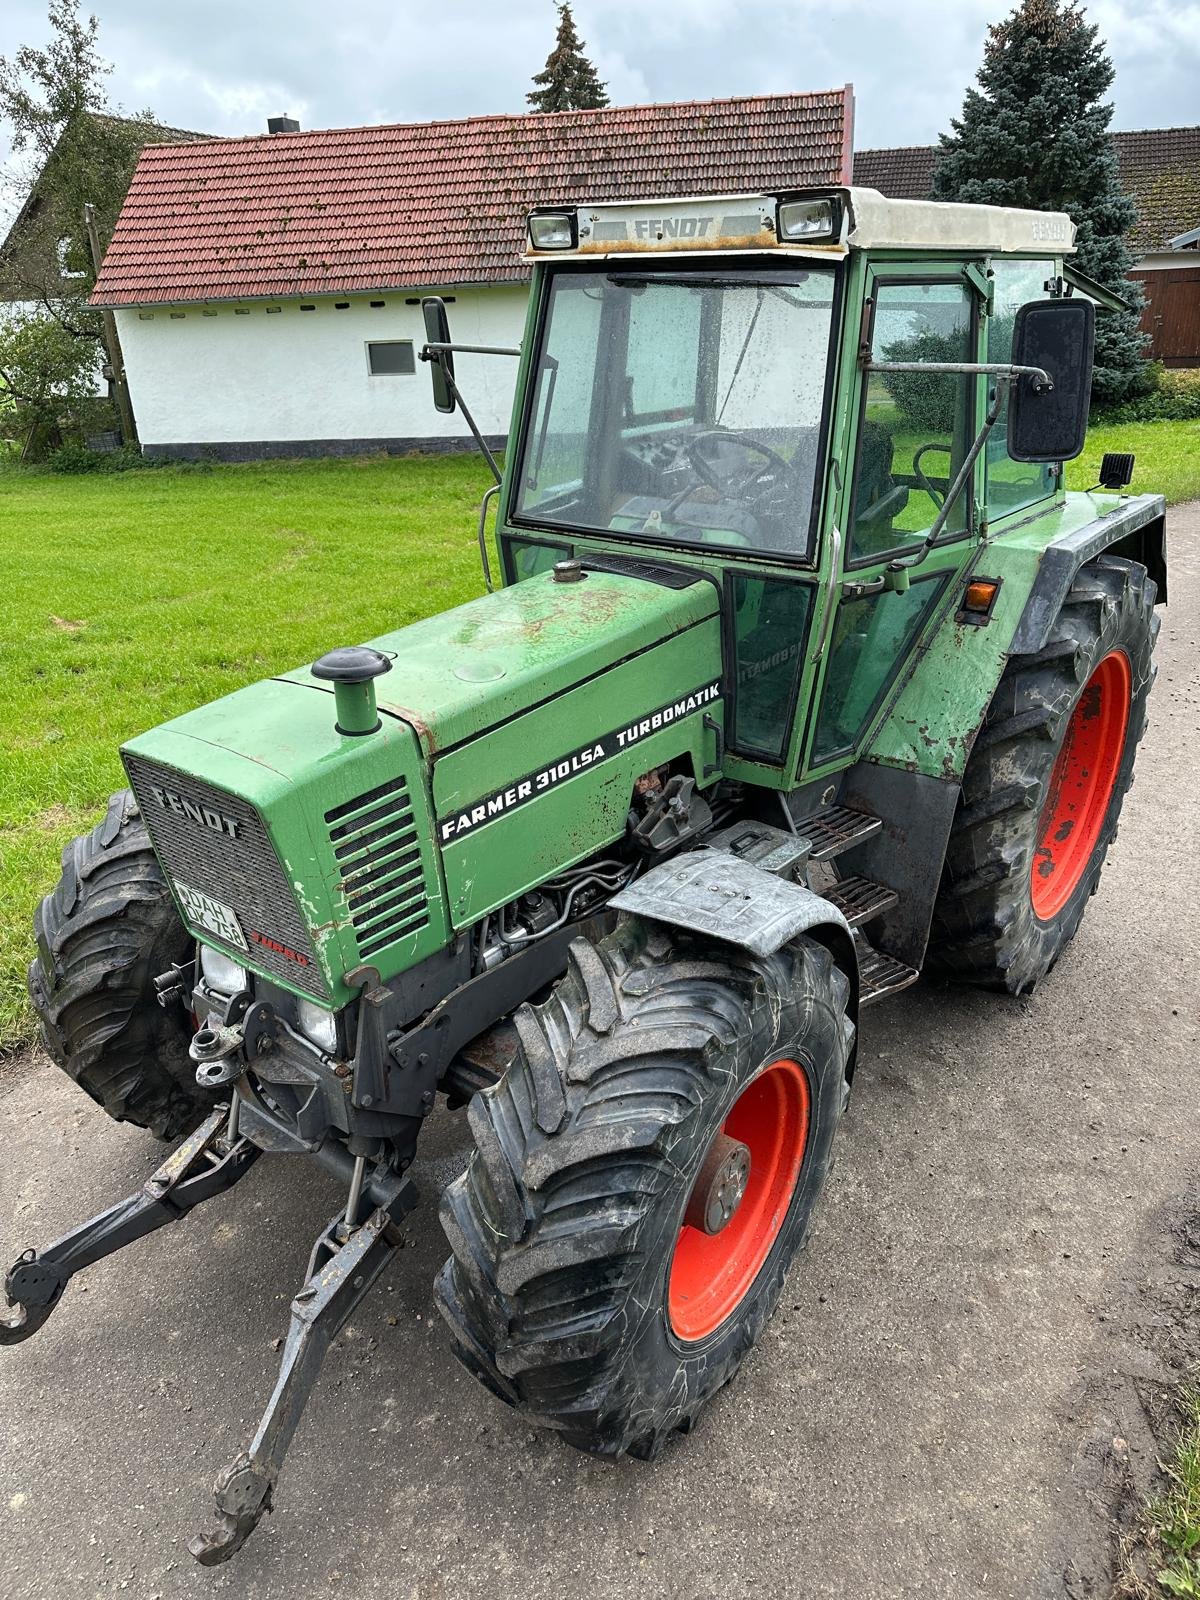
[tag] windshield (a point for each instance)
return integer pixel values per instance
(683, 409)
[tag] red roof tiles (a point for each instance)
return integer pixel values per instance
(434, 204)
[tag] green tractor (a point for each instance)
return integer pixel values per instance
(802, 673)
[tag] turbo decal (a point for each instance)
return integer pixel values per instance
(501, 801)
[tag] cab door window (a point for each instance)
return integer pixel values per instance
(916, 427)
(1013, 485)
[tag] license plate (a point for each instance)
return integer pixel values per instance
(202, 911)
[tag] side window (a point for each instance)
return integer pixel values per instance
(916, 427)
(770, 630)
(1010, 485)
(871, 640)
(525, 558)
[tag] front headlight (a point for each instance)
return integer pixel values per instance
(318, 1025)
(805, 219)
(221, 973)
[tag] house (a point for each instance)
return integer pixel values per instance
(39, 255)
(267, 290)
(1160, 168)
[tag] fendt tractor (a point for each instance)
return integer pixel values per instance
(802, 673)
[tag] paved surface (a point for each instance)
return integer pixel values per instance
(987, 1300)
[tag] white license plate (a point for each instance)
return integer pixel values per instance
(202, 911)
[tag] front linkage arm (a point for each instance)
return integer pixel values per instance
(194, 1172)
(345, 1263)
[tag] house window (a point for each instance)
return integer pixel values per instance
(69, 263)
(391, 358)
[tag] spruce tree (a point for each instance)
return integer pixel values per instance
(1035, 133)
(569, 81)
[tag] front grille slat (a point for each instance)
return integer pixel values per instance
(376, 846)
(243, 873)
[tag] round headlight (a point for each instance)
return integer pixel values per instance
(221, 973)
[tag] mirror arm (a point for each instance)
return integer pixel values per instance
(462, 405)
(998, 369)
(430, 352)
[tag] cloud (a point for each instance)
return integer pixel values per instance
(227, 65)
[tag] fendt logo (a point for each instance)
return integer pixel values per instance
(204, 815)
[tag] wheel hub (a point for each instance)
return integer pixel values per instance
(720, 1187)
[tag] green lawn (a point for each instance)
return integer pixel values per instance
(129, 598)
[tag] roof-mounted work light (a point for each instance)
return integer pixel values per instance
(798, 220)
(553, 230)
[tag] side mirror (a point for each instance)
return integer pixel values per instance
(441, 362)
(1058, 336)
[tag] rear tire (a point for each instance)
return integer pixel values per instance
(1044, 785)
(108, 929)
(575, 1292)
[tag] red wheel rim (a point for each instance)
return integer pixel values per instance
(1081, 785)
(711, 1274)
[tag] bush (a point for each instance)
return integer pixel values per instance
(1174, 397)
(77, 458)
(927, 399)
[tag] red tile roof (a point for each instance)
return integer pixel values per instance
(439, 203)
(1160, 167)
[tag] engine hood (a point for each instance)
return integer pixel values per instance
(459, 674)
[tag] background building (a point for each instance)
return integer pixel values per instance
(267, 290)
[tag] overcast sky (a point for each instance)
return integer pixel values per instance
(224, 66)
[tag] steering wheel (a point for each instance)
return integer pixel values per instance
(708, 474)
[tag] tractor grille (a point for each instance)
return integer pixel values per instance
(243, 872)
(378, 853)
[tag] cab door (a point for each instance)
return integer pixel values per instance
(912, 433)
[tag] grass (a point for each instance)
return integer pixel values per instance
(1171, 1531)
(1168, 457)
(127, 600)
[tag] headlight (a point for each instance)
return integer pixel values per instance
(552, 230)
(805, 219)
(317, 1025)
(221, 973)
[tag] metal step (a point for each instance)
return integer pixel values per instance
(835, 829)
(860, 899)
(881, 975)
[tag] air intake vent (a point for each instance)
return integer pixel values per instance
(378, 852)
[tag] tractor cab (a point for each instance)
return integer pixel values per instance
(805, 396)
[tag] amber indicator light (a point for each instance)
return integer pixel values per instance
(980, 595)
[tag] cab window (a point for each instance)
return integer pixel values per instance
(1012, 485)
(916, 427)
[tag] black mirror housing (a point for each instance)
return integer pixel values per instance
(441, 362)
(1058, 336)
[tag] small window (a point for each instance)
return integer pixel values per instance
(391, 358)
(770, 628)
(70, 260)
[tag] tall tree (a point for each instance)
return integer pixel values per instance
(569, 81)
(1035, 133)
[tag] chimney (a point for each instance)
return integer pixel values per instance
(282, 125)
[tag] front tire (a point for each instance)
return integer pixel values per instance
(577, 1291)
(1044, 785)
(104, 934)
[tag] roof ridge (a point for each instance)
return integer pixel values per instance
(541, 117)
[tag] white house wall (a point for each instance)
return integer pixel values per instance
(267, 378)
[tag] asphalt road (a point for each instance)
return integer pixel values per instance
(992, 1291)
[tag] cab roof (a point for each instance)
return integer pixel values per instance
(863, 219)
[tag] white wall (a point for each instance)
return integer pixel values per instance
(225, 374)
